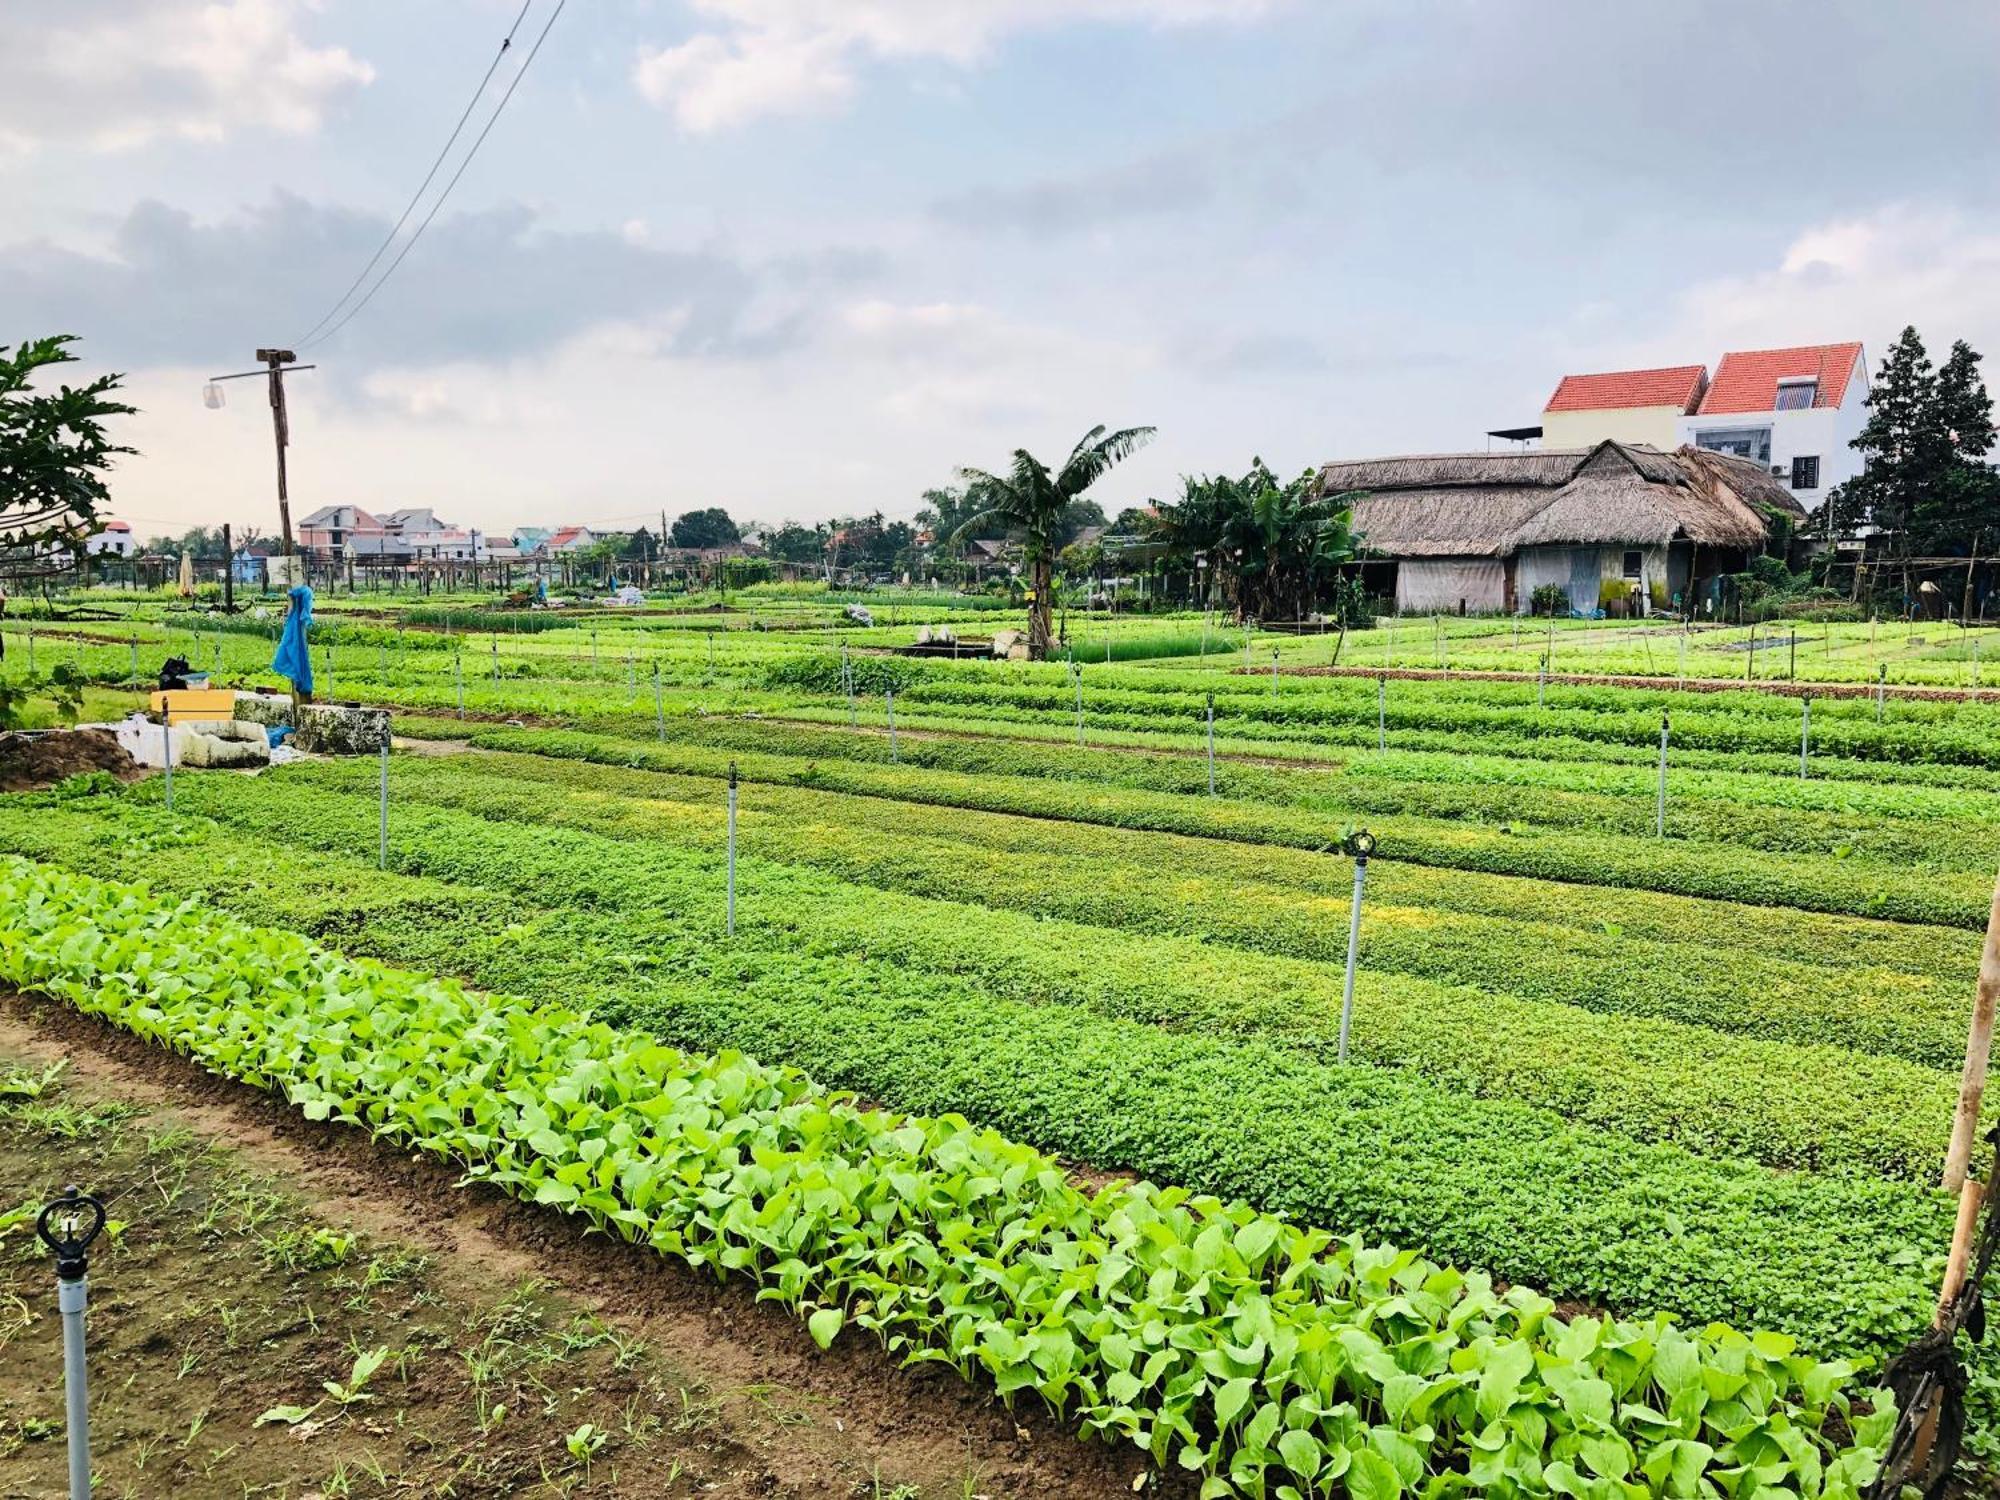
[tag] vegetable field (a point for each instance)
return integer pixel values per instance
(1021, 1057)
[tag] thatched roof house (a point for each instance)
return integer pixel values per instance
(1618, 526)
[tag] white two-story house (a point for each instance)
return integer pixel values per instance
(1796, 411)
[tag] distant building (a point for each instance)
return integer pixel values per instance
(569, 539)
(333, 530)
(113, 539)
(1618, 527)
(1795, 411)
(1627, 406)
(248, 565)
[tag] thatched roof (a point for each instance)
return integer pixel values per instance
(1492, 504)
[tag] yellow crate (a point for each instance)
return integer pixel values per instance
(195, 705)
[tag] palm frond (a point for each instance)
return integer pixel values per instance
(1096, 453)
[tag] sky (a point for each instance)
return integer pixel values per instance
(802, 258)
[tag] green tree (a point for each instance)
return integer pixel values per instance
(1960, 513)
(640, 546)
(705, 528)
(1271, 547)
(54, 452)
(1903, 444)
(794, 543)
(1035, 502)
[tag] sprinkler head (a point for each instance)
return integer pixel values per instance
(1360, 843)
(67, 1225)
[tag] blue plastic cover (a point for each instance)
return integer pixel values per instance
(294, 660)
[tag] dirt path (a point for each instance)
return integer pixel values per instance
(698, 1388)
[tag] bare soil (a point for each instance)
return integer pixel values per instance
(213, 1307)
(30, 762)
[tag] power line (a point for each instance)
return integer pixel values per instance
(389, 239)
(478, 141)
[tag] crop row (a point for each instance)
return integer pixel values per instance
(1119, 919)
(1585, 1213)
(1255, 876)
(1946, 898)
(1941, 830)
(1269, 1357)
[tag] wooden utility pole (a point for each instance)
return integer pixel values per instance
(228, 571)
(281, 428)
(1978, 1048)
(277, 363)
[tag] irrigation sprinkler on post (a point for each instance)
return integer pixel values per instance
(1792, 659)
(1660, 822)
(329, 671)
(135, 658)
(31, 650)
(458, 679)
(1382, 712)
(382, 859)
(1274, 674)
(1211, 744)
(1805, 734)
(1360, 844)
(494, 642)
(731, 923)
(1542, 685)
(1076, 681)
(593, 651)
(889, 705)
(167, 742)
(1881, 678)
(67, 1226)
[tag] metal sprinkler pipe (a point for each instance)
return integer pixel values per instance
(67, 1225)
(1360, 844)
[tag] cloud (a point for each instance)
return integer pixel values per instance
(495, 284)
(1167, 182)
(791, 57)
(1862, 277)
(118, 73)
(965, 365)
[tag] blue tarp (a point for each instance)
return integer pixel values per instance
(294, 660)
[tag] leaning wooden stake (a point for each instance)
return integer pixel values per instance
(1978, 1047)
(1970, 1196)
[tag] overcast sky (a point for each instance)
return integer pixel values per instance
(800, 257)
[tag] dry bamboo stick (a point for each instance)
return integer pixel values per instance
(1978, 1049)
(1969, 1198)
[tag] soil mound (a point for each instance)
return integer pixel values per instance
(30, 762)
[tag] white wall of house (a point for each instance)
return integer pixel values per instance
(1823, 432)
(109, 543)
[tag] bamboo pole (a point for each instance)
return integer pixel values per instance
(1978, 1048)
(1969, 1198)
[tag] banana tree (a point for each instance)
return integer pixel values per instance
(1274, 545)
(1031, 500)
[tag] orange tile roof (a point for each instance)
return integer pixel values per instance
(1677, 385)
(1747, 379)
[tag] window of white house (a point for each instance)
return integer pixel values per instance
(1805, 471)
(1753, 443)
(1634, 565)
(1796, 395)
